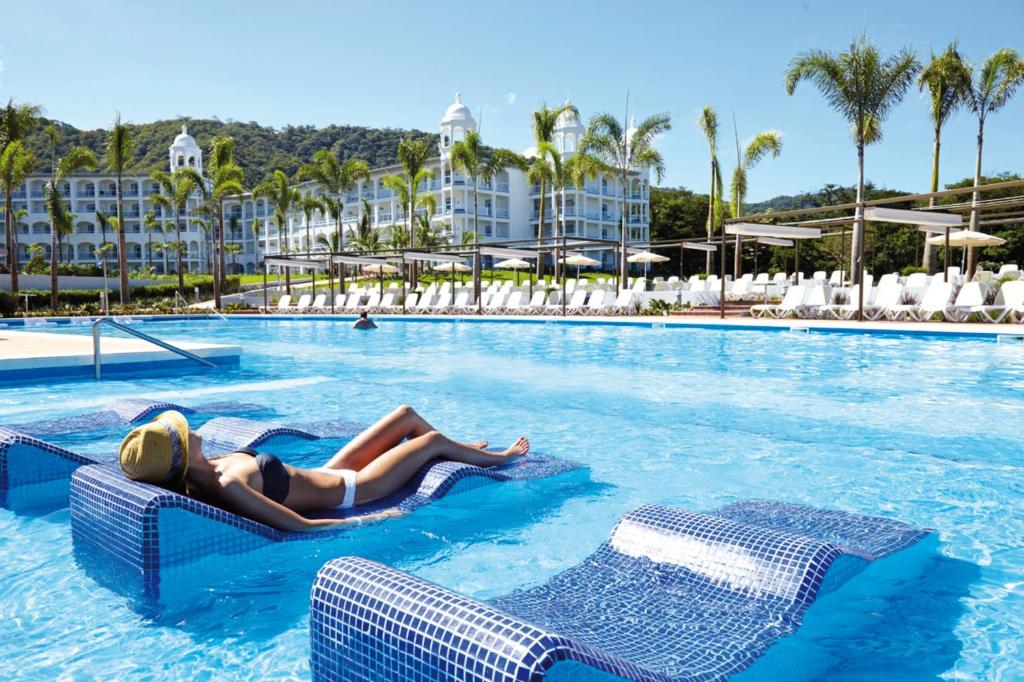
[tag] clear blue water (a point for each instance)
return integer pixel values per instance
(922, 429)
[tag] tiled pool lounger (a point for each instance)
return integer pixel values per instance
(146, 528)
(672, 595)
(36, 472)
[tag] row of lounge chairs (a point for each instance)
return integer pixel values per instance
(892, 300)
(502, 302)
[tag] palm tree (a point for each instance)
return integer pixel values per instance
(336, 179)
(283, 197)
(205, 226)
(120, 149)
(548, 167)
(152, 225)
(993, 84)
(948, 79)
(470, 157)
(621, 152)
(104, 222)
(226, 178)
(412, 157)
(61, 220)
(365, 238)
(16, 162)
(864, 88)
(708, 124)
(175, 190)
(309, 205)
(543, 124)
(255, 227)
(768, 142)
(234, 250)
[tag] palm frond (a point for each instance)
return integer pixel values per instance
(76, 159)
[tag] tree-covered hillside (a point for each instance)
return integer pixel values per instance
(258, 149)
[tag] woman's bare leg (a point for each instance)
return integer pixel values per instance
(403, 422)
(394, 468)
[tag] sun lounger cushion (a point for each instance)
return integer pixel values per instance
(672, 595)
(145, 527)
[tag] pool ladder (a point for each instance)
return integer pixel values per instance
(97, 361)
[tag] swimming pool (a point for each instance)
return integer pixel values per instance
(922, 429)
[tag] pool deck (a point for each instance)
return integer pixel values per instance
(32, 354)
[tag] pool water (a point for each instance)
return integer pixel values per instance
(922, 429)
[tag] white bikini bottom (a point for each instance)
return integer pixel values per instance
(349, 477)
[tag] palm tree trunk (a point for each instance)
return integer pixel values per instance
(857, 240)
(624, 279)
(54, 253)
(975, 197)
(181, 274)
(218, 238)
(476, 256)
(928, 256)
(12, 256)
(737, 258)
(122, 255)
(556, 233)
(540, 232)
(711, 218)
(412, 231)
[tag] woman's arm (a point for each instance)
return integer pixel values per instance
(261, 508)
(257, 506)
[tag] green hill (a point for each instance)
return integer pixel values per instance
(258, 149)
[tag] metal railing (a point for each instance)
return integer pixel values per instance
(179, 298)
(96, 357)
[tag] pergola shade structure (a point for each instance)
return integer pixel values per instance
(927, 221)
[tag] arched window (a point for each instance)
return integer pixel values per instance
(181, 160)
(459, 132)
(570, 143)
(192, 161)
(447, 141)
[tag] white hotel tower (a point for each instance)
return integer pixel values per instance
(508, 207)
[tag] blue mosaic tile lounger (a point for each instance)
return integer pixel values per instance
(145, 528)
(34, 473)
(671, 596)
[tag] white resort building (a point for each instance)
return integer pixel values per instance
(508, 208)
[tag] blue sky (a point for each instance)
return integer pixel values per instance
(398, 64)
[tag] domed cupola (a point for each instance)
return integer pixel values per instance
(184, 152)
(568, 131)
(456, 121)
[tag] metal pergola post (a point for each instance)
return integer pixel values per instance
(721, 275)
(266, 303)
(405, 294)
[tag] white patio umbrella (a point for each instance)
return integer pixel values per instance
(646, 257)
(968, 239)
(579, 259)
(516, 264)
(380, 270)
(452, 267)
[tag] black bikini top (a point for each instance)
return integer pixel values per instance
(276, 479)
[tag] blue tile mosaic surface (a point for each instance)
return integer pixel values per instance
(146, 527)
(672, 595)
(28, 464)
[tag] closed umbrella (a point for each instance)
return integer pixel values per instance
(516, 264)
(578, 260)
(969, 239)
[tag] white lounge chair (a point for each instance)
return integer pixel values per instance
(497, 303)
(970, 299)
(387, 303)
(283, 304)
(515, 305)
(319, 303)
(936, 299)
(625, 304)
(843, 311)
(536, 304)
(596, 305)
(440, 305)
(791, 304)
(1009, 304)
(461, 304)
(303, 304)
(817, 297)
(576, 303)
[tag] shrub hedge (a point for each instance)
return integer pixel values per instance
(72, 297)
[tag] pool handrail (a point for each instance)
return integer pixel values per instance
(96, 354)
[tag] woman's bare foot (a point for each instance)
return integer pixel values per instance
(518, 449)
(479, 445)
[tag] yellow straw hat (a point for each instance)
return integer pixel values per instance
(157, 452)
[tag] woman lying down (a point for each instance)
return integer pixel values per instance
(376, 463)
